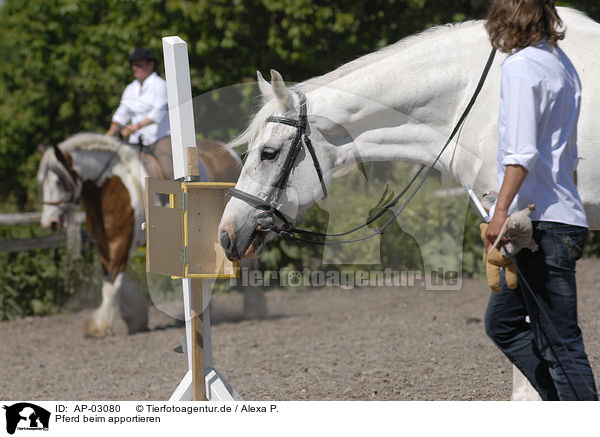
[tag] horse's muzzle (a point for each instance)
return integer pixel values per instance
(239, 245)
(226, 244)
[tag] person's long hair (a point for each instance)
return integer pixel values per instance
(515, 24)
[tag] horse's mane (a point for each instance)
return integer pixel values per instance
(87, 141)
(392, 49)
(380, 54)
(270, 106)
(92, 141)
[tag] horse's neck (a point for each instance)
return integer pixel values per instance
(92, 165)
(404, 105)
(98, 165)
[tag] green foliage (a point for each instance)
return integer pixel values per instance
(592, 249)
(41, 282)
(63, 67)
(590, 7)
(63, 63)
(432, 232)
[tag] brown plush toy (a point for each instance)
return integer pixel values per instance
(492, 269)
(519, 231)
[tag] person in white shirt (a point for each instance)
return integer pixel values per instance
(536, 164)
(142, 116)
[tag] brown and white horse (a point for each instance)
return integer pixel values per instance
(105, 174)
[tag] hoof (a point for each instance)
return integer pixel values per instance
(255, 304)
(136, 324)
(134, 329)
(94, 329)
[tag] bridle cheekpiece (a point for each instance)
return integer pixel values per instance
(301, 138)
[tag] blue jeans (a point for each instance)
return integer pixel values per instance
(549, 350)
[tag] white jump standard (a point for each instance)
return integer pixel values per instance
(182, 235)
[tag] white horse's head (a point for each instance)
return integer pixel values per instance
(272, 176)
(59, 186)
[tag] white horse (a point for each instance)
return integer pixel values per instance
(399, 103)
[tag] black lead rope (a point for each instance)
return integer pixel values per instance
(287, 231)
(384, 209)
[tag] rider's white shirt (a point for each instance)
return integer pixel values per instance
(141, 101)
(539, 109)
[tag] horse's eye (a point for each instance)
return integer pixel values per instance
(268, 154)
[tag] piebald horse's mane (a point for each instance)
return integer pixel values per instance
(87, 141)
(91, 141)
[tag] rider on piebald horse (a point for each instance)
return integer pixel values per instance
(143, 117)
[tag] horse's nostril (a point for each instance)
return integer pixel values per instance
(225, 240)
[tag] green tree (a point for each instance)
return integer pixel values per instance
(64, 65)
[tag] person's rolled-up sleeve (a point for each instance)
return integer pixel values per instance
(124, 113)
(521, 101)
(160, 108)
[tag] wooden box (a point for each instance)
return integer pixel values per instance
(182, 219)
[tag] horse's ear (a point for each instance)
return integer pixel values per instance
(281, 92)
(265, 87)
(59, 155)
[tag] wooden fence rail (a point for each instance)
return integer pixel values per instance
(23, 219)
(24, 244)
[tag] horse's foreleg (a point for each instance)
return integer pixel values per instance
(255, 303)
(522, 388)
(100, 324)
(133, 306)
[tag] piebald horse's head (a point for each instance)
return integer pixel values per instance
(60, 188)
(276, 184)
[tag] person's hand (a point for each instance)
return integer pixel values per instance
(494, 228)
(129, 129)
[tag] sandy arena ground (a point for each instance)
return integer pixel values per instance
(321, 344)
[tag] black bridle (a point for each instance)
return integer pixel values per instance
(301, 138)
(73, 195)
(271, 203)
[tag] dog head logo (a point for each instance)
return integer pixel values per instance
(26, 416)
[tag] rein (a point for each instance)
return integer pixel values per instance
(270, 204)
(114, 154)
